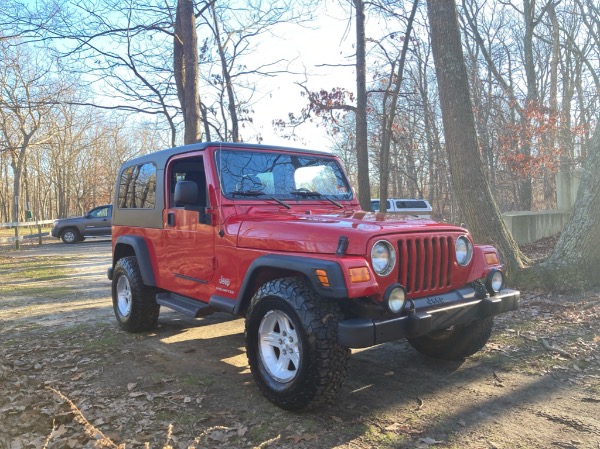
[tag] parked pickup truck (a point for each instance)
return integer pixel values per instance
(75, 229)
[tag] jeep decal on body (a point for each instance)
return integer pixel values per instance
(276, 235)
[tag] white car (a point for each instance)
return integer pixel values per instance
(420, 208)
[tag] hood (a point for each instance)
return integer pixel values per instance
(69, 219)
(319, 232)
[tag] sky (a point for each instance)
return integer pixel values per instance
(330, 42)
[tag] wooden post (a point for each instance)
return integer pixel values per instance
(39, 226)
(17, 244)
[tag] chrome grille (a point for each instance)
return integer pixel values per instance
(425, 263)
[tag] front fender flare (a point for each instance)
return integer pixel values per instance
(305, 265)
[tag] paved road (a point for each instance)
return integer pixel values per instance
(97, 246)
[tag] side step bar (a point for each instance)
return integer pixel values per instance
(182, 304)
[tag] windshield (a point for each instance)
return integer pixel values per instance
(281, 176)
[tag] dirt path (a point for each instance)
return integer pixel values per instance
(537, 384)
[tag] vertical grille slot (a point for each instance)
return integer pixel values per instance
(424, 263)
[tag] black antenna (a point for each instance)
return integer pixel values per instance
(219, 205)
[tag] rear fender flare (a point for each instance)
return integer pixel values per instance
(140, 250)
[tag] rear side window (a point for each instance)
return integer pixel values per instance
(411, 204)
(137, 187)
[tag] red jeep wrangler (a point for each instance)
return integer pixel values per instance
(277, 235)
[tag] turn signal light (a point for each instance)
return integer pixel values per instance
(359, 274)
(491, 258)
(322, 276)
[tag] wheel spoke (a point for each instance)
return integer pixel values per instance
(294, 357)
(124, 296)
(287, 327)
(271, 338)
(282, 365)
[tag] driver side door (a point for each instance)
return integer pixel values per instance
(188, 262)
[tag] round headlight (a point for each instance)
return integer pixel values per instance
(383, 257)
(394, 298)
(494, 281)
(464, 250)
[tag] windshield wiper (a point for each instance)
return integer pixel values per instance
(309, 193)
(247, 192)
(257, 193)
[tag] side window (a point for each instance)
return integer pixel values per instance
(189, 169)
(137, 187)
(100, 213)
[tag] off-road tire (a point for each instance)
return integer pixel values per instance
(322, 362)
(455, 343)
(70, 235)
(134, 303)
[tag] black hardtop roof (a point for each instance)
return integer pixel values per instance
(161, 157)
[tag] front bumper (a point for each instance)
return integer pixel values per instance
(430, 313)
(54, 232)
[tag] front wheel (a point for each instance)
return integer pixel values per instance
(70, 236)
(291, 343)
(455, 343)
(134, 303)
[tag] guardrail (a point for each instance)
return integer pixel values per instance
(25, 224)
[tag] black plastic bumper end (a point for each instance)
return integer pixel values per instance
(366, 332)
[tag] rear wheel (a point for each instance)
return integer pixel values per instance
(455, 343)
(291, 343)
(70, 235)
(134, 303)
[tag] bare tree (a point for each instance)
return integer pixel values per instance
(185, 67)
(531, 17)
(390, 103)
(466, 167)
(228, 67)
(362, 151)
(28, 93)
(575, 261)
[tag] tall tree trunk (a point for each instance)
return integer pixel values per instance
(362, 151)
(549, 176)
(185, 65)
(525, 185)
(575, 260)
(231, 106)
(466, 167)
(389, 117)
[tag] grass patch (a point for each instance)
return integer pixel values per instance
(191, 380)
(16, 290)
(23, 230)
(261, 431)
(39, 268)
(184, 420)
(100, 343)
(82, 333)
(383, 439)
(26, 274)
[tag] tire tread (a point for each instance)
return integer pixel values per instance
(144, 310)
(328, 366)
